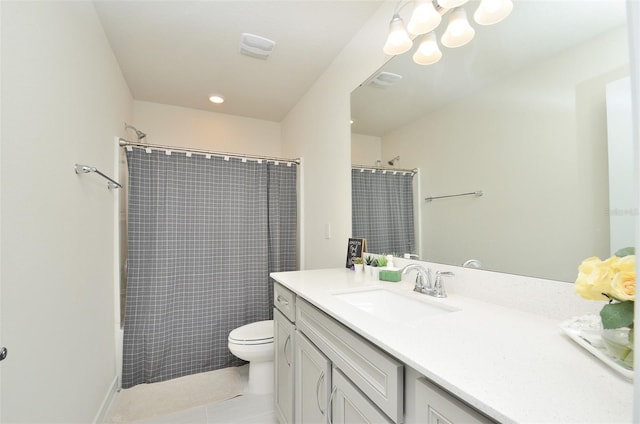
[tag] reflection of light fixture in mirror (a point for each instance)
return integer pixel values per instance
(398, 40)
(450, 4)
(428, 51)
(492, 11)
(458, 32)
(425, 18)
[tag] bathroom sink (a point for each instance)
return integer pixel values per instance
(392, 306)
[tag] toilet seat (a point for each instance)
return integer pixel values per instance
(256, 333)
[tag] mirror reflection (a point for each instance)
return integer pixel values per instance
(520, 113)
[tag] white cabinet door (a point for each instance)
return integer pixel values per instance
(312, 382)
(435, 406)
(350, 406)
(284, 342)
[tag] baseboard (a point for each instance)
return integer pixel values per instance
(101, 415)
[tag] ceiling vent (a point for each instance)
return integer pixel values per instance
(256, 46)
(384, 79)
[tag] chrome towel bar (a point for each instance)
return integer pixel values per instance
(84, 169)
(472, 193)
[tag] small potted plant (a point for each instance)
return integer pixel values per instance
(358, 264)
(368, 261)
(375, 268)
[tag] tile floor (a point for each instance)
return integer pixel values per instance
(245, 409)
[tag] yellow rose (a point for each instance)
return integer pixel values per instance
(626, 264)
(594, 279)
(623, 284)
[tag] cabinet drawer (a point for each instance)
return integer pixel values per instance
(285, 300)
(377, 374)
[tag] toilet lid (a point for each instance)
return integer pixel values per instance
(260, 332)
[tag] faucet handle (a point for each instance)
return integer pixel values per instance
(438, 286)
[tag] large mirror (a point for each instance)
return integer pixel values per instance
(519, 113)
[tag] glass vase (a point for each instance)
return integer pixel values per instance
(619, 343)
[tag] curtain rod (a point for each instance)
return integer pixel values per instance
(124, 142)
(413, 171)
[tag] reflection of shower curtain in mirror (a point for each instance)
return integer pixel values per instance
(203, 236)
(382, 210)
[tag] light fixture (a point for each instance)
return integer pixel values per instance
(458, 32)
(492, 11)
(398, 40)
(216, 99)
(428, 51)
(425, 19)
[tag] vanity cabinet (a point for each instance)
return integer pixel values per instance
(312, 383)
(376, 374)
(284, 345)
(436, 406)
(327, 374)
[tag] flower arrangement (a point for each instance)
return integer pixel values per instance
(612, 280)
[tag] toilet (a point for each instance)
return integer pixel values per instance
(254, 343)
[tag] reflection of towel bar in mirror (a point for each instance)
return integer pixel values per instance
(472, 193)
(84, 169)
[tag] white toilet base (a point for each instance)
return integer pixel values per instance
(261, 377)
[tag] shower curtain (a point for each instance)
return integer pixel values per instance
(382, 210)
(204, 233)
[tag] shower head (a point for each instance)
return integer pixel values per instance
(394, 160)
(139, 133)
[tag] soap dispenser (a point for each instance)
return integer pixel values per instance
(389, 261)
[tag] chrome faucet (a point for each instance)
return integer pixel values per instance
(438, 287)
(423, 276)
(423, 280)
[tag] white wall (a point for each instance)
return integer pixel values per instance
(365, 149)
(621, 162)
(63, 101)
(198, 129)
(550, 120)
(318, 130)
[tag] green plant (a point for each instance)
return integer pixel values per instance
(357, 260)
(368, 260)
(382, 261)
(374, 262)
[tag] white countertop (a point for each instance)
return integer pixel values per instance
(512, 365)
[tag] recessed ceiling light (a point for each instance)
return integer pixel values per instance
(216, 99)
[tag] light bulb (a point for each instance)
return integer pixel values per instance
(492, 11)
(398, 40)
(424, 18)
(458, 32)
(428, 51)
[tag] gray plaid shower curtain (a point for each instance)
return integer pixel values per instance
(204, 234)
(382, 210)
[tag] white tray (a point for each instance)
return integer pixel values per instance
(585, 331)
